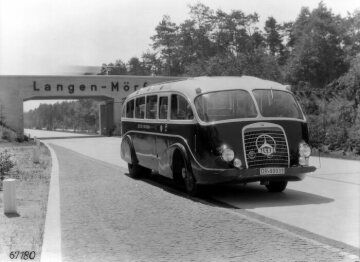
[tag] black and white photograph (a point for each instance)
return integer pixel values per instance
(178, 131)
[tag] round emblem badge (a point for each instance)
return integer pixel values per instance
(265, 145)
(251, 154)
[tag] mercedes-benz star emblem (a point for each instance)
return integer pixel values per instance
(265, 145)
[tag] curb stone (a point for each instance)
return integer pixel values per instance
(51, 248)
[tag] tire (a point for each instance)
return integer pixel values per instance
(276, 186)
(191, 187)
(137, 171)
(183, 176)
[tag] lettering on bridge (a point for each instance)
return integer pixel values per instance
(71, 88)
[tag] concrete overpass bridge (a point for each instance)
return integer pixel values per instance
(111, 90)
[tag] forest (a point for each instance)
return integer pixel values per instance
(318, 54)
(77, 116)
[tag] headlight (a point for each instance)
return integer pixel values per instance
(237, 163)
(304, 150)
(227, 154)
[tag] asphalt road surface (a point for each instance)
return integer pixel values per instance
(324, 207)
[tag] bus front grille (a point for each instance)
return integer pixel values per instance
(266, 147)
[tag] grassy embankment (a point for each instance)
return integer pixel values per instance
(24, 231)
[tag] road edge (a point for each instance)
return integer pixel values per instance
(51, 247)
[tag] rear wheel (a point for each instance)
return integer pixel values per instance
(276, 186)
(182, 175)
(137, 171)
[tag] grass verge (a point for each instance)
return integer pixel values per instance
(24, 231)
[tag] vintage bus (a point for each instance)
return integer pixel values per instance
(209, 130)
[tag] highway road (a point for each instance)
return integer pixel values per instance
(324, 206)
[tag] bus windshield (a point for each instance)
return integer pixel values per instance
(224, 105)
(275, 103)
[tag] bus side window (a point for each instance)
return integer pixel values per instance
(130, 109)
(163, 107)
(180, 108)
(140, 107)
(151, 107)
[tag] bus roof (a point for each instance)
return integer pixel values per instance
(190, 87)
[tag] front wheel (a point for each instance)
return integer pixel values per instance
(137, 171)
(276, 186)
(191, 186)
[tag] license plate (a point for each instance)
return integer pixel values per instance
(272, 171)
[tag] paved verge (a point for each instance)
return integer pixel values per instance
(107, 216)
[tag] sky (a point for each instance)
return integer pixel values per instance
(57, 37)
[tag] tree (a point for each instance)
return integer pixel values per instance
(351, 34)
(119, 68)
(273, 38)
(317, 56)
(349, 86)
(151, 64)
(165, 40)
(77, 115)
(135, 67)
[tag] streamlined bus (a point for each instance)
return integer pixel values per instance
(209, 130)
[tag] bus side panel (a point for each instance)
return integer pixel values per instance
(162, 144)
(144, 145)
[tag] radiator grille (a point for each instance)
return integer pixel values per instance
(272, 139)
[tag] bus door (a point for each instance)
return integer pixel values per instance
(162, 140)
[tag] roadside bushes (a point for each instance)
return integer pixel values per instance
(335, 134)
(6, 164)
(316, 131)
(7, 134)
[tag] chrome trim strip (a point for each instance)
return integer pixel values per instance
(195, 144)
(185, 141)
(193, 121)
(159, 121)
(259, 118)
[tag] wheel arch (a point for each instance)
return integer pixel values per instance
(179, 150)
(127, 150)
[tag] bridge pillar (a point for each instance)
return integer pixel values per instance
(117, 115)
(106, 118)
(11, 108)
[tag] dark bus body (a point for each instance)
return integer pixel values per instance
(212, 130)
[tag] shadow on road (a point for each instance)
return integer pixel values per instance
(238, 196)
(171, 187)
(254, 195)
(11, 215)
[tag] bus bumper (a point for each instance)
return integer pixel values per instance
(250, 175)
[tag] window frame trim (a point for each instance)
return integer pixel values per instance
(277, 117)
(167, 95)
(189, 103)
(258, 115)
(146, 103)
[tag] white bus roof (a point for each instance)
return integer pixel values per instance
(190, 87)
